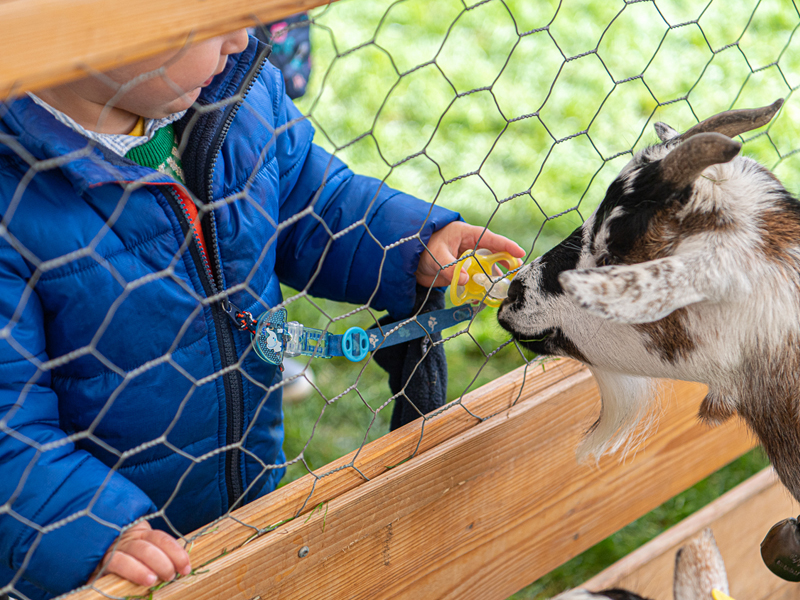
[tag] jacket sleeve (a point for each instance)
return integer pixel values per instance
(358, 240)
(61, 507)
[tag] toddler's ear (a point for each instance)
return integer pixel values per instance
(639, 293)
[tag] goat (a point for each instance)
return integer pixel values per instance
(699, 569)
(689, 269)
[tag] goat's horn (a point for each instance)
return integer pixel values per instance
(735, 122)
(685, 163)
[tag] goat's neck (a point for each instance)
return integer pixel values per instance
(769, 403)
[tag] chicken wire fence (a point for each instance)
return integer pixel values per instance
(517, 114)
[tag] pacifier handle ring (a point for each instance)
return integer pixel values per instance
(355, 344)
(476, 262)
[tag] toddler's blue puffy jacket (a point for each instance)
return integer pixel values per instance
(119, 379)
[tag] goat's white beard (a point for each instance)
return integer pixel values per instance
(629, 412)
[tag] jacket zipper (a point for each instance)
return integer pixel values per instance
(234, 387)
(234, 394)
(201, 250)
(214, 284)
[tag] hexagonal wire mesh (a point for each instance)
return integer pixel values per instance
(516, 114)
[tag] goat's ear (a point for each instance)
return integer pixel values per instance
(699, 568)
(665, 132)
(640, 293)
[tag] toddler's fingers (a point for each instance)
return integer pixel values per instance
(498, 243)
(174, 551)
(152, 557)
(445, 276)
(128, 567)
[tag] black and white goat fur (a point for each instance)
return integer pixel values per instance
(689, 269)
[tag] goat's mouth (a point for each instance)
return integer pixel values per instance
(549, 342)
(538, 342)
(535, 342)
(544, 341)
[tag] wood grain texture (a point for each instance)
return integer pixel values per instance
(480, 514)
(45, 42)
(739, 519)
(332, 480)
(787, 591)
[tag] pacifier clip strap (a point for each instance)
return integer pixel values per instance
(420, 326)
(274, 338)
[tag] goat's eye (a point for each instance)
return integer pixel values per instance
(604, 260)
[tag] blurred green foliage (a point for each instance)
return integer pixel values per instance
(519, 114)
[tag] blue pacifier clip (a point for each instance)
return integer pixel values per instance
(275, 339)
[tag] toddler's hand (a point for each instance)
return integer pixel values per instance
(144, 555)
(450, 242)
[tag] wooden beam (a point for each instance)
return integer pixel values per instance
(45, 42)
(480, 514)
(347, 473)
(739, 519)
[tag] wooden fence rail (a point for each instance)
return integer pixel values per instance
(739, 520)
(484, 508)
(45, 42)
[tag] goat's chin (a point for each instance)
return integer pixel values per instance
(629, 411)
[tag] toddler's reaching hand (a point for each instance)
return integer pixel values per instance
(144, 555)
(449, 243)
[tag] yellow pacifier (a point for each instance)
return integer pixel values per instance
(487, 283)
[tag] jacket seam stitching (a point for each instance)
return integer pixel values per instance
(303, 157)
(110, 372)
(240, 186)
(46, 502)
(107, 257)
(23, 359)
(150, 461)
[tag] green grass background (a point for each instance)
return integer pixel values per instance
(518, 114)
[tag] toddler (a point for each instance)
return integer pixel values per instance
(137, 207)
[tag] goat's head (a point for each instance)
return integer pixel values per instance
(689, 269)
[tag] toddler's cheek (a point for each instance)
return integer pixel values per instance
(182, 103)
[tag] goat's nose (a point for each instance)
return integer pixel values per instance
(515, 291)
